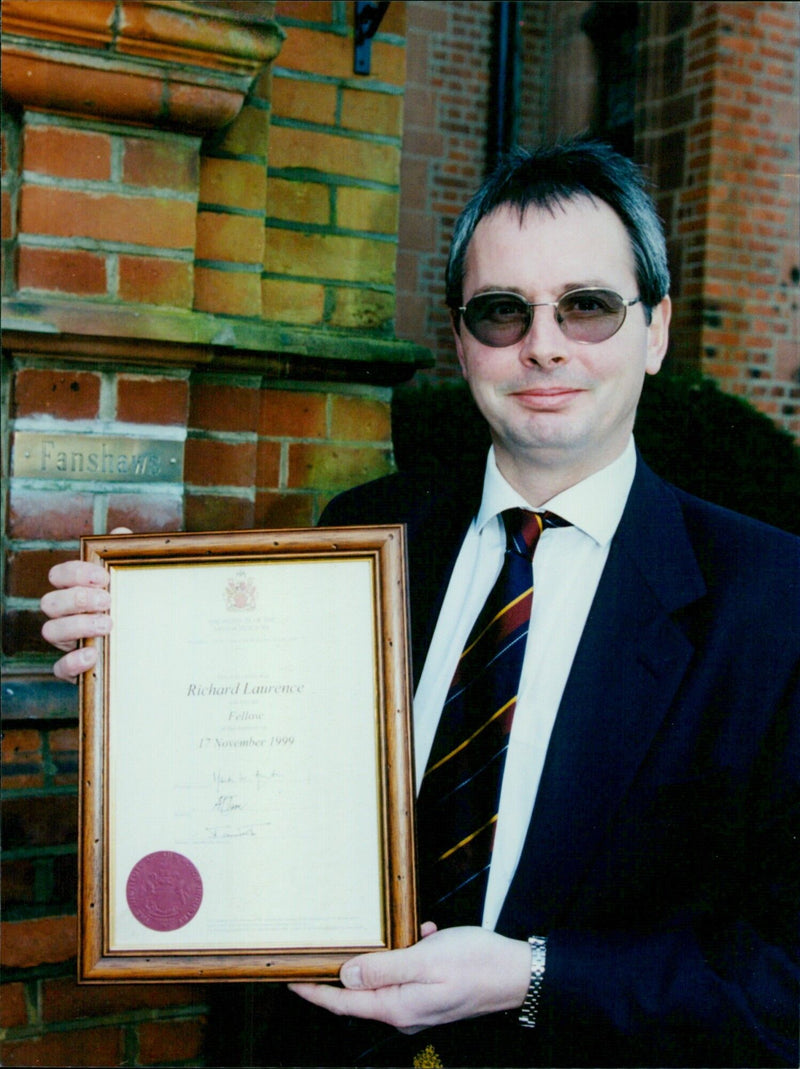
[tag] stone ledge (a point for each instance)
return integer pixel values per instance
(168, 63)
(148, 337)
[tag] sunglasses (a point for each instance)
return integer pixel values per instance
(590, 315)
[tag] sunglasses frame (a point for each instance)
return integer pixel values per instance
(530, 306)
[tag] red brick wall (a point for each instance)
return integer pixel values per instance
(718, 124)
(155, 227)
(444, 146)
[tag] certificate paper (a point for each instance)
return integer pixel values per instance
(250, 720)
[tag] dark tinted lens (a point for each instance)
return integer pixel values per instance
(591, 315)
(497, 319)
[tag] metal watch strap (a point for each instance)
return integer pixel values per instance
(530, 1007)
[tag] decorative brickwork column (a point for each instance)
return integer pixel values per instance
(192, 340)
(717, 124)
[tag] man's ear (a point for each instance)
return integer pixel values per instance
(658, 335)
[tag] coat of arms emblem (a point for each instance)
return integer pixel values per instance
(240, 593)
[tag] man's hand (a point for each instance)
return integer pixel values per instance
(77, 609)
(447, 976)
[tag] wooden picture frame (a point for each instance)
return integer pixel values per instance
(246, 777)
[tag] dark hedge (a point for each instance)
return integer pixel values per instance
(707, 442)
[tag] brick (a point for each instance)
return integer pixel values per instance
(61, 394)
(158, 222)
(284, 301)
(22, 759)
(374, 113)
(37, 942)
(331, 54)
(322, 10)
(145, 512)
(62, 152)
(350, 259)
(268, 464)
(248, 135)
(152, 399)
(22, 632)
(302, 202)
(218, 407)
(367, 209)
(155, 280)
(417, 230)
(28, 570)
(394, 20)
(284, 510)
(13, 1006)
(233, 238)
(60, 516)
(293, 414)
(46, 881)
(332, 154)
(213, 463)
(209, 512)
(40, 821)
(227, 292)
(170, 1041)
(65, 763)
(65, 1000)
(360, 419)
(303, 100)
(325, 467)
(169, 164)
(64, 892)
(362, 309)
(8, 222)
(233, 183)
(18, 886)
(85, 1046)
(94, 19)
(61, 271)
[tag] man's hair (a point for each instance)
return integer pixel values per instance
(548, 177)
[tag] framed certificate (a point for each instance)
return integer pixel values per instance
(246, 787)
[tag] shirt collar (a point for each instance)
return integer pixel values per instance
(594, 505)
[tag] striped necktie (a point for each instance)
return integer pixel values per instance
(460, 792)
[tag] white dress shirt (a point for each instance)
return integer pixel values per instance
(567, 566)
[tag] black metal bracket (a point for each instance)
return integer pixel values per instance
(368, 19)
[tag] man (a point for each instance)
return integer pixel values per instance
(639, 901)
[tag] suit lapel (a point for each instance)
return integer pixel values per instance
(435, 535)
(628, 666)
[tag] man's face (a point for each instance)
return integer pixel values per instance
(553, 403)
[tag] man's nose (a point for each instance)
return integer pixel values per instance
(544, 344)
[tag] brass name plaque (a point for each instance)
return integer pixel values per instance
(105, 458)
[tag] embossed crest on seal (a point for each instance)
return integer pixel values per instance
(164, 890)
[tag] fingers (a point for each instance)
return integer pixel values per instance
(65, 632)
(78, 573)
(389, 968)
(73, 664)
(379, 1005)
(76, 609)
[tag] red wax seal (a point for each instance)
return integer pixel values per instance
(164, 891)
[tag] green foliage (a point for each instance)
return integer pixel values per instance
(703, 440)
(720, 448)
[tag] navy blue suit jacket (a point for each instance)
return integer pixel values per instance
(663, 856)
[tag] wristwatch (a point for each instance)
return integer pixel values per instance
(530, 1007)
